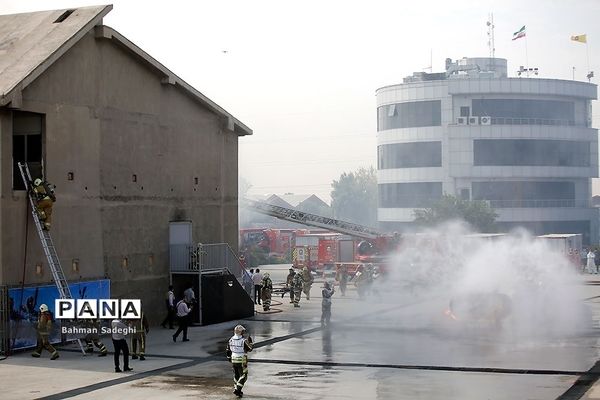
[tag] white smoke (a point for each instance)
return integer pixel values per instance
(515, 284)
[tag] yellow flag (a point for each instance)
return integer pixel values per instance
(579, 38)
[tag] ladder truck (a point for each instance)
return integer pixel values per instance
(374, 244)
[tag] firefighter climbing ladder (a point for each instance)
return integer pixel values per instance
(302, 217)
(49, 250)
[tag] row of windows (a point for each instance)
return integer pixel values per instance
(526, 111)
(500, 194)
(409, 115)
(563, 153)
(409, 155)
(408, 195)
(515, 194)
(489, 152)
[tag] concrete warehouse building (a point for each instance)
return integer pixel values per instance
(524, 144)
(130, 146)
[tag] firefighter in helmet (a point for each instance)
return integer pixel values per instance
(297, 283)
(44, 327)
(308, 281)
(289, 284)
(45, 198)
(265, 291)
(237, 349)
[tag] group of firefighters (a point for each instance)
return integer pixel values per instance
(92, 338)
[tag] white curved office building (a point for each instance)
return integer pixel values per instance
(524, 144)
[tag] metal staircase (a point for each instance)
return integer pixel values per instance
(47, 244)
(302, 217)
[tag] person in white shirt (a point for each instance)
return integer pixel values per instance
(120, 344)
(257, 280)
(170, 302)
(183, 310)
(591, 265)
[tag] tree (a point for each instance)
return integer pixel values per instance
(354, 197)
(478, 214)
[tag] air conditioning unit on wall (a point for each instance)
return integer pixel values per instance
(473, 120)
(485, 120)
(461, 121)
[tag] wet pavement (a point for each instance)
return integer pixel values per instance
(390, 345)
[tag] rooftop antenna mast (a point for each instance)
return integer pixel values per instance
(490, 33)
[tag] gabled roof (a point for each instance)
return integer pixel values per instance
(294, 200)
(31, 42)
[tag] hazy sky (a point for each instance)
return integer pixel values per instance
(303, 74)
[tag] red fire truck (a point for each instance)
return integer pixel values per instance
(278, 242)
(322, 251)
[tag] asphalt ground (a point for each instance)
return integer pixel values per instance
(389, 345)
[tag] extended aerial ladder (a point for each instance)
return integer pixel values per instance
(301, 217)
(47, 244)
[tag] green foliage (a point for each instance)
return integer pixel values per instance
(354, 197)
(478, 214)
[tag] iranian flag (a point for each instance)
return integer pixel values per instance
(519, 34)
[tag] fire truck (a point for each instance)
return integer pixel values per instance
(322, 252)
(351, 244)
(278, 242)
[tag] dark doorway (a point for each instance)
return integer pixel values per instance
(28, 129)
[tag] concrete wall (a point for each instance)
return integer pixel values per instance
(108, 117)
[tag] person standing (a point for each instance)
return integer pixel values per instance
(266, 288)
(591, 265)
(45, 198)
(119, 329)
(237, 349)
(44, 328)
(170, 303)
(183, 312)
(288, 284)
(342, 278)
(257, 280)
(297, 284)
(139, 337)
(327, 292)
(308, 280)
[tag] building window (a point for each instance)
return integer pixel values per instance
(408, 195)
(525, 112)
(464, 111)
(555, 153)
(27, 145)
(525, 194)
(409, 155)
(409, 115)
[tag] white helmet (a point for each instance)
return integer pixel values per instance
(37, 182)
(43, 308)
(239, 330)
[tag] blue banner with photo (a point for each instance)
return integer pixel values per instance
(24, 305)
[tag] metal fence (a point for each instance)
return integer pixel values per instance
(205, 258)
(184, 258)
(4, 315)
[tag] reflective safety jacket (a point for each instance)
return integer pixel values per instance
(237, 347)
